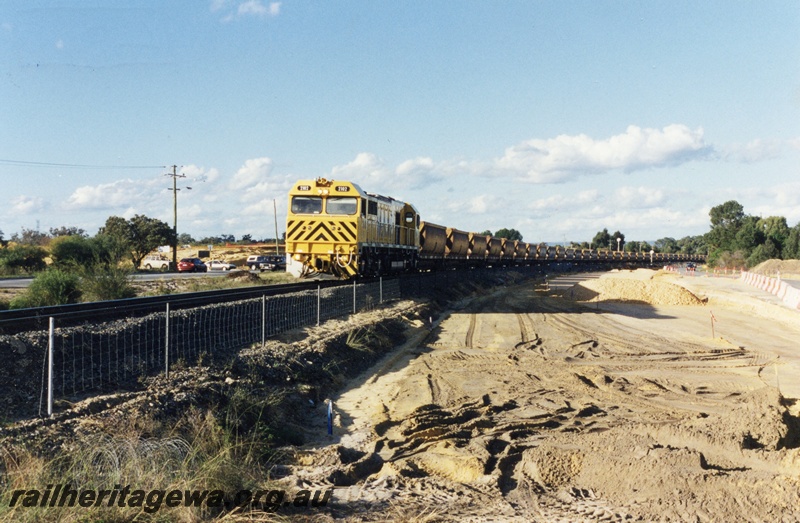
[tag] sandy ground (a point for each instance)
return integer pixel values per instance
(607, 400)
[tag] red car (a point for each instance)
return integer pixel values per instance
(192, 265)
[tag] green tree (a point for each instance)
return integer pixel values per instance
(666, 244)
(66, 231)
(71, 251)
(766, 251)
(22, 258)
(509, 234)
(725, 222)
(693, 245)
(185, 239)
(774, 228)
(730, 260)
(617, 245)
(633, 246)
(601, 240)
(31, 237)
(140, 235)
(791, 247)
(749, 236)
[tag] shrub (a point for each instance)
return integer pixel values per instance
(68, 251)
(105, 282)
(52, 287)
(22, 258)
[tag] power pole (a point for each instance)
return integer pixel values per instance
(175, 190)
(275, 211)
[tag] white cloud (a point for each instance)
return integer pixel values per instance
(638, 197)
(568, 202)
(256, 8)
(197, 174)
(372, 173)
(481, 204)
(216, 5)
(26, 204)
(366, 169)
(755, 151)
(567, 157)
(113, 195)
(252, 173)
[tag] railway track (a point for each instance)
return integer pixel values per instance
(20, 320)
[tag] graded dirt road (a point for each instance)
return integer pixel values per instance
(603, 401)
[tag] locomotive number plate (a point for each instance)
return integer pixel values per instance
(342, 188)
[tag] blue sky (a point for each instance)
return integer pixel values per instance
(554, 118)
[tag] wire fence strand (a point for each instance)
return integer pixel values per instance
(105, 356)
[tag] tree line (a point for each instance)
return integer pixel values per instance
(734, 239)
(88, 268)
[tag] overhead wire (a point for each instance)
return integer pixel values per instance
(22, 163)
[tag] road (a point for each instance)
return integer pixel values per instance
(22, 283)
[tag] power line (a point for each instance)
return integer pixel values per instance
(22, 163)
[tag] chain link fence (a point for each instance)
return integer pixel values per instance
(94, 357)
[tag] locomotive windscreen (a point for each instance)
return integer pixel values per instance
(306, 205)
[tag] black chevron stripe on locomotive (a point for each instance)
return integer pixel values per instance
(323, 232)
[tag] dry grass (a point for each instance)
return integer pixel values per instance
(198, 453)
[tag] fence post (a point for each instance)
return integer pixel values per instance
(380, 286)
(50, 343)
(319, 301)
(166, 345)
(263, 320)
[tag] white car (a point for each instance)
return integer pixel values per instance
(216, 265)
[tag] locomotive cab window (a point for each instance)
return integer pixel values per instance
(306, 205)
(338, 205)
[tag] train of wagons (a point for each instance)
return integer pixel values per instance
(334, 227)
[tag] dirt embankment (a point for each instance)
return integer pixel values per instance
(786, 268)
(519, 404)
(642, 286)
(525, 406)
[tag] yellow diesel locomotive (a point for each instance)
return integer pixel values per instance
(335, 227)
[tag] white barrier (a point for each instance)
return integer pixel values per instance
(788, 294)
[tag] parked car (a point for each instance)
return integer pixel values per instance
(216, 265)
(192, 265)
(155, 261)
(266, 263)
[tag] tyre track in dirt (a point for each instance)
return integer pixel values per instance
(524, 407)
